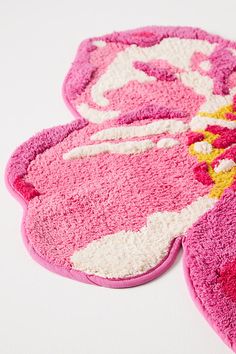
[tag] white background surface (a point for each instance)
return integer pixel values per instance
(41, 312)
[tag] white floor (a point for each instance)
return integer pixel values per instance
(43, 313)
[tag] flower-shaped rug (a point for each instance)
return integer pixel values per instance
(147, 166)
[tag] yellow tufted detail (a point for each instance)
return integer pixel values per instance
(209, 137)
(220, 113)
(221, 180)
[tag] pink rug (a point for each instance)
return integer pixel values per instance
(148, 166)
